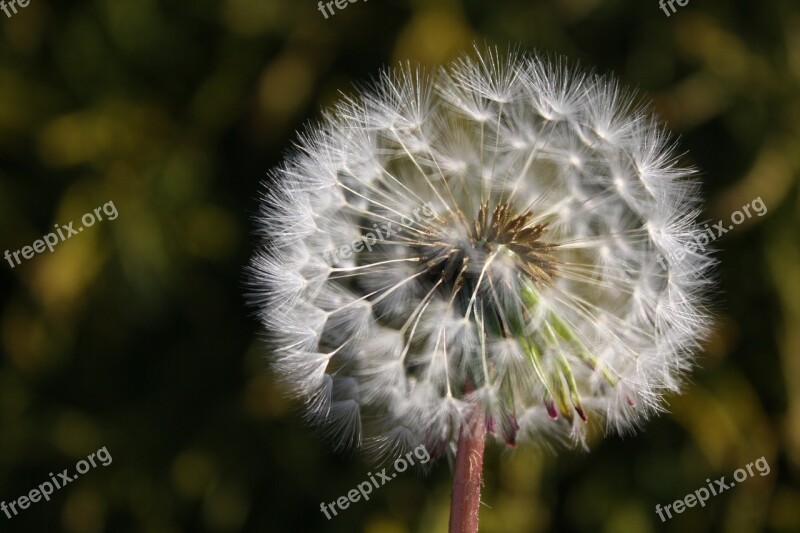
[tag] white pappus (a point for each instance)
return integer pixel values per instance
(533, 288)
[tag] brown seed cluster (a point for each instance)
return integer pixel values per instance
(491, 229)
(533, 255)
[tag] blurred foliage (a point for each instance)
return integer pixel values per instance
(134, 336)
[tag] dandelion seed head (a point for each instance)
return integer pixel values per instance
(515, 210)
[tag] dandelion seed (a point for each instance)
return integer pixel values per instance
(531, 303)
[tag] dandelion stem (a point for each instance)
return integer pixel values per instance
(468, 476)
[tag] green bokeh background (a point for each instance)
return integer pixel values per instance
(135, 335)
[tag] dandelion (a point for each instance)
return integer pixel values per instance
(532, 301)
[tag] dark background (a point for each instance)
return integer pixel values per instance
(134, 335)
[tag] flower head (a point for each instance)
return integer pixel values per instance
(492, 233)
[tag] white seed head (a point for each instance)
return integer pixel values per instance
(507, 231)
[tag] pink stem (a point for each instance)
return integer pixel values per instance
(468, 476)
